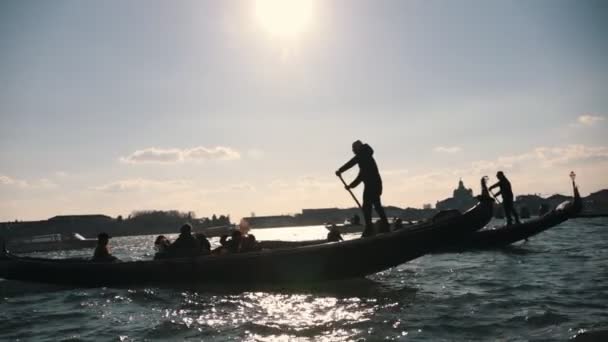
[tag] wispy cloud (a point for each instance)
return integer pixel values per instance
(42, 183)
(543, 169)
(6, 180)
(142, 184)
(170, 185)
(447, 149)
(590, 120)
(175, 155)
(545, 157)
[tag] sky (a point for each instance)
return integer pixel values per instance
(241, 107)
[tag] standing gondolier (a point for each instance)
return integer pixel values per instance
(507, 197)
(370, 176)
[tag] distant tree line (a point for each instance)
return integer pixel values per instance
(156, 216)
(137, 223)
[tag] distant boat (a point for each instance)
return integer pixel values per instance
(50, 242)
(217, 230)
(508, 234)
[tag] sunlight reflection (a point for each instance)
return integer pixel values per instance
(275, 316)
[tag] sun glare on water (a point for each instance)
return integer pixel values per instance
(284, 18)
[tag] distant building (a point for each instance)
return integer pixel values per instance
(427, 206)
(462, 199)
(270, 221)
(532, 202)
(324, 215)
(72, 218)
(597, 202)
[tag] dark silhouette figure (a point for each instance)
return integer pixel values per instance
(397, 223)
(507, 197)
(161, 244)
(102, 251)
(334, 235)
(249, 244)
(185, 244)
(370, 176)
(356, 220)
(232, 245)
(204, 244)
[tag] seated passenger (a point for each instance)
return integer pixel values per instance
(244, 227)
(234, 244)
(334, 235)
(185, 244)
(161, 244)
(249, 244)
(204, 244)
(397, 224)
(102, 251)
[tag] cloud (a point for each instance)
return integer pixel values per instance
(171, 185)
(42, 183)
(544, 157)
(447, 149)
(141, 184)
(543, 169)
(590, 120)
(6, 180)
(174, 155)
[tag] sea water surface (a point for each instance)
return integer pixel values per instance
(553, 287)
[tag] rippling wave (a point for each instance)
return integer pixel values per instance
(553, 287)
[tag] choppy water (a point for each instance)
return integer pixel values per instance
(551, 288)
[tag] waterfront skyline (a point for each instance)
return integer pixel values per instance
(225, 107)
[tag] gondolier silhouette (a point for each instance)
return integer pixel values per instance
(370, 176)
(507, 197)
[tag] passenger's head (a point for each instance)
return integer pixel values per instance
(160, 239)
(186, 229)
(202, 239)
(103, 238)
(244, 227)
(500, 175)
(357, 146)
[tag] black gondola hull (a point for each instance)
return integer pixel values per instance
(506, 235)
(328, 261)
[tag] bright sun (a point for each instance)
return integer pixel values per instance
(284, 18)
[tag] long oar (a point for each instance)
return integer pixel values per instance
(490, 191)
(350, 192)
(494, 197)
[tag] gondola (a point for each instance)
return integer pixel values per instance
(508, 234)
(328, 261)
(442, 215)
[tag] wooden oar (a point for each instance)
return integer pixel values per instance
(350, 192)
(494, 197)
(490, 191)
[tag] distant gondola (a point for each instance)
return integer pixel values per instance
(506, 235)
(328, 261)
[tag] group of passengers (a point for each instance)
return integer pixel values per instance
(188, 244)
